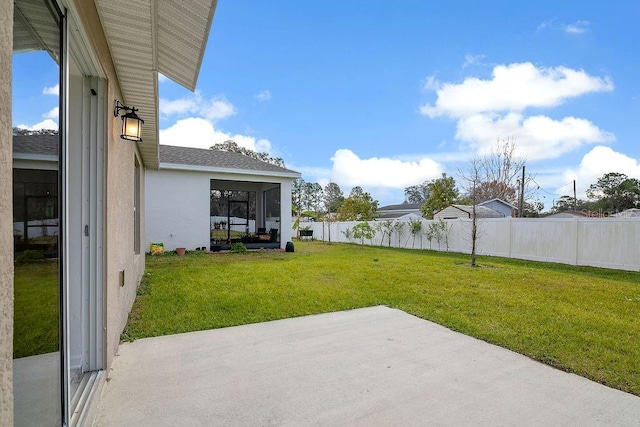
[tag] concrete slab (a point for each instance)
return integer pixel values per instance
(373, 366)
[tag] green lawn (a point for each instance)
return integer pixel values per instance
(36, 306)
(582, 320)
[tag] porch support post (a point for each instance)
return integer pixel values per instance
(285, 213)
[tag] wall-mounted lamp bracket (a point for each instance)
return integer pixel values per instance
(131, 123)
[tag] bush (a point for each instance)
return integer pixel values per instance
(29, 256)
(238, 248)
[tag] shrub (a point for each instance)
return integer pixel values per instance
(29, 256)
(238, 248)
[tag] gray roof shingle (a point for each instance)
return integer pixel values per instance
(36, 144)
(215, 158)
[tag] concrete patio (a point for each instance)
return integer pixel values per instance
(373, 366)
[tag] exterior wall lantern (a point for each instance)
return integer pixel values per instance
(131, 123)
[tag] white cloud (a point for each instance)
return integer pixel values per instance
(265, 95)
(537, 137)
(350, 170)
(514, 87)
(214, 109)
(578, 27)
(597, 162)
(487, 110)
(431, 83)
(162, 78)
(52, 114)
(470, 60)
(47, 124)
(51, 90)
(546, 24)
(200, 133)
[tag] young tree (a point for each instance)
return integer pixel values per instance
(417, 194)
(385, 228)
(415, 227)
(472, 178)
(442, 193)
(359, 206)
(231, 146)
(363, 231)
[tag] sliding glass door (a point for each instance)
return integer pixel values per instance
(37, 213)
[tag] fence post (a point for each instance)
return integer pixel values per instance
(577, 231)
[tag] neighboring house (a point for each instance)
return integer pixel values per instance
(576, 214)
(628, 213)
(397, 211)
(202, 198)
(466, 211)
(499, 205)
(80, 201)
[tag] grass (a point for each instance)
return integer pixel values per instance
(578, 319)
(36, 309)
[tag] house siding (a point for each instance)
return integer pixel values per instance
(178, 209)
(450, 212)
(120, 158)
(499, 207)
(6, 217)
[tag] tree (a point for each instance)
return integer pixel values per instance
(488, 190)
(472, 178)
(415, 227)
(333, 197)
(362, 231)
(615, 192)
(501, 173)
(442, 193)
(386, 228)
(359, 206)
(417, 194)
(231, 146)
(297, 195)
(313, 195)
(568, 203)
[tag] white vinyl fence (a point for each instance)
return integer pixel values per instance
(598, 242)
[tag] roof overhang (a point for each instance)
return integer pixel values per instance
(210, 169)
(146, 37)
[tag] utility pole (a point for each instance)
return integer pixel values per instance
(521, 202)
(575, 200)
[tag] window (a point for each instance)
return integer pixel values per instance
(136, 207)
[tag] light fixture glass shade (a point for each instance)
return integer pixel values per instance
(132, 127)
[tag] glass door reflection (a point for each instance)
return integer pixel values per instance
(37, 364)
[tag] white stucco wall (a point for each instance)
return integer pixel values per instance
(178, 210)
(6, 215)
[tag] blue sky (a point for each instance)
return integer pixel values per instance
(365, 93)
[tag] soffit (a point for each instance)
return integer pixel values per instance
(34, 28)
(147, 36)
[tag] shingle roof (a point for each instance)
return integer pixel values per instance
(36, 144)
(403, 206)
(215, 159)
